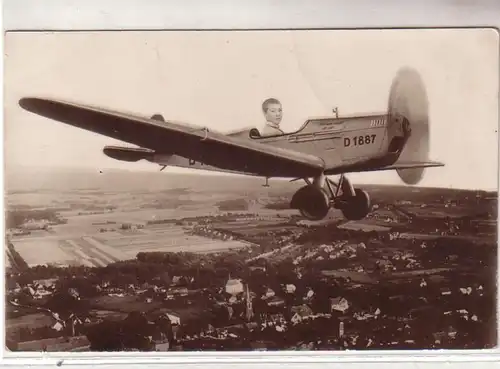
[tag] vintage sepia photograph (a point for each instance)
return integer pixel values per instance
(251, 190)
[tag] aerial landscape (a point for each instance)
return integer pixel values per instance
(123, 260)
(238, 196)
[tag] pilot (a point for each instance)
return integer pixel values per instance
(273, 113)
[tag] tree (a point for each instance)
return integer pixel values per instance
(83, 285)
(106, 336)
(164, 279)
(130, 333)
(64, 303)
(136, 322)
(165, 326)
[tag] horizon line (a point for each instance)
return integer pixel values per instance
(200, 172)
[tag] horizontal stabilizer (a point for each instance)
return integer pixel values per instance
(412, 171)
(414, 165)
(130, 154)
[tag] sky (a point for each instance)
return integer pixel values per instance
(219, 79)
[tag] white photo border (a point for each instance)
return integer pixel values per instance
(103, 15)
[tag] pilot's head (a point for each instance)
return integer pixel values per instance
(272, 111)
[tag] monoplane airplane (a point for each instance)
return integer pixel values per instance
(395, 140)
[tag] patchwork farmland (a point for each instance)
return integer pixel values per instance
(100, 249)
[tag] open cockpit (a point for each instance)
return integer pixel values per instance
(309, 126)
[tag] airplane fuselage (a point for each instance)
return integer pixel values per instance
(335, 140)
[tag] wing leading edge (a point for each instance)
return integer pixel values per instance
(199, 144)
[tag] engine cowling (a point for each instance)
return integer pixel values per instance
(312, 202)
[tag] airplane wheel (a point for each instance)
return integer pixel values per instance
(313, 203)
(314, 215)
(357, 207)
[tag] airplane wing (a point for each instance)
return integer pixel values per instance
(196, 143)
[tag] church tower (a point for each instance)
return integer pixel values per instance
(249, 309)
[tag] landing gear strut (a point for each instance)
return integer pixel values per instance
(316, 198)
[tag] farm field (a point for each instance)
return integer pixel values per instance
(100, 249)
(124, 304)
(29, 321)
(113, 305)
(42, 250)
(59, 344)
(93, 234)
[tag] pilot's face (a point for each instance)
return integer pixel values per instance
(274, 113)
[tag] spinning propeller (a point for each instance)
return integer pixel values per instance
(408, 98)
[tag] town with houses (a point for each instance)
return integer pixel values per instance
(396, 281)
(304, 306)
